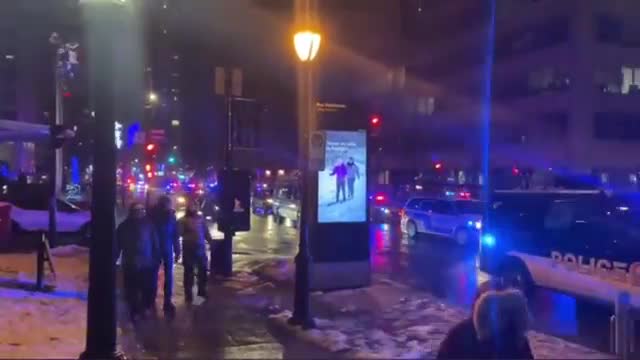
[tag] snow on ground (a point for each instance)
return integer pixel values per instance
(390, 320)
(44, 325)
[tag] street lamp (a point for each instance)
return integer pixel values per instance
(307, 45)
(152, 97)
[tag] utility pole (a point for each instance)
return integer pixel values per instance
(106, 24)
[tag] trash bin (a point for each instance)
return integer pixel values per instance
(5, 225)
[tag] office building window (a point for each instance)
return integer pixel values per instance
(554, 125)
(617, 126)
(630, 80)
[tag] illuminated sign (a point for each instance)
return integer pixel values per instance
(342, 186)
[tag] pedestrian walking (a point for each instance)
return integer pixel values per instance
(194, 233)
(353, 174)
(496, 329)
(164, 219)
(340, 172)
(137, 243)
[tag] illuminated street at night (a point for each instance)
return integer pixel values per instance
(411, 179)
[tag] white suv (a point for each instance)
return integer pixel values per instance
(460, 220)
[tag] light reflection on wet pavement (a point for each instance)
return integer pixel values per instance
(447, 271)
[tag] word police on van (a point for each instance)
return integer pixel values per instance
(585, 242)
(603, 268)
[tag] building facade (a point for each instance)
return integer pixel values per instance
(563, 79)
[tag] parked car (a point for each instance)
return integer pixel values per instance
(457, 219)
(35, 217)
(580, 242)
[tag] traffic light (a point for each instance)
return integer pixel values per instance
(147, 168)
(438, 166)
(171, 159)
(151, 147)
(375, 124)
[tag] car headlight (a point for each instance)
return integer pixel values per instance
(182, 200)
(478, 225)
(269, 201)
(293, 206)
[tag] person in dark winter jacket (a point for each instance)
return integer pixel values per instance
(137, 242)
(164, 219)
(340, 172)
(194, 233)
(496, 329)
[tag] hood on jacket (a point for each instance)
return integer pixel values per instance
(499, 313)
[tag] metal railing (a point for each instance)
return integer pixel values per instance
(622, 327)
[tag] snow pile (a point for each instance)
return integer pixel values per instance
(44, 325)
(388, 320)
(278, 270)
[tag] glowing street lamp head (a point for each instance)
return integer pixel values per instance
(307, 45)
(153, 97)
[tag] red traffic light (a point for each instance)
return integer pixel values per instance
(151, 147)
(375, 120)
(515, 171)
(438, 166)
(147, 167)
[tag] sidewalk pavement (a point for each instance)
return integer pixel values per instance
(222, 327)
(385, 320)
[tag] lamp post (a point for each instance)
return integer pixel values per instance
(307, 44)
(104, 26)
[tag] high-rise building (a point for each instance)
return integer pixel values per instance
(563, 77)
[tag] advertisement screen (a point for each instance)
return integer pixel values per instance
(342, 186)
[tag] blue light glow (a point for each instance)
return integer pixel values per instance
(488, 240)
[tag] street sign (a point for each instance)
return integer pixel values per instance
(317, 142)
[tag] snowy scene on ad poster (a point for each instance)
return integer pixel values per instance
(342, 185)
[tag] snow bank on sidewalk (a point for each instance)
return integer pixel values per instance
(43, 325)
(389, 320)
(40, 325)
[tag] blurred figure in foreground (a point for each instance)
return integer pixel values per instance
(137, 242)
(194, 233)
(496, 329)
(164, 219)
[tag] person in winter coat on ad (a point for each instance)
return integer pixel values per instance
(195, 235)
(164, 219)
(496, 329)
(137, 242)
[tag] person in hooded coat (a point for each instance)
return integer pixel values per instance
(195, 236)
(137, 243)
(496, 329)
(164, 219)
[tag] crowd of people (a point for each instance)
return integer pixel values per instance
(147, 241)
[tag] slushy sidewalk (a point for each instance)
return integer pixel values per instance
(385, 320)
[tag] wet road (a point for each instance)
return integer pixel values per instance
(447, 271)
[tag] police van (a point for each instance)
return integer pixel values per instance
(585, 242)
